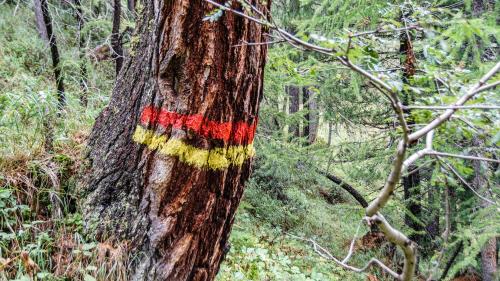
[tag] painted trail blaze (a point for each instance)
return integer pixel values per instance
(237, 138)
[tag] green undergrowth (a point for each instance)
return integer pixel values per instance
(260, 251)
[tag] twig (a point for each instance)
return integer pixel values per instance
(430, 107)
(463, 156)
(480, 86)
(378, 31)
(449, 167)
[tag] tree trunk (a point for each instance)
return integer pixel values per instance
(131, 6)
(61, 98)
(81, 53)
(411, 182)
(312, 117)
(293, 93)
(116, 44)
(40, 23)
(330, 132)
(170, 154)
(480, 183)
(478, 7)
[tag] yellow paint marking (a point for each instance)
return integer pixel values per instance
(216, 159)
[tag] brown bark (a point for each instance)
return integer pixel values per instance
(480, 183)
(116, 44)
(61, 98)
(176, 218)
(294, 94)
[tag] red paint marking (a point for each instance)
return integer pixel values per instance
(234, 132)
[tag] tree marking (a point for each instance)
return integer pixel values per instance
(230, 132)
(215, 159)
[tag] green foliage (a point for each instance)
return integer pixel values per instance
(261, 253)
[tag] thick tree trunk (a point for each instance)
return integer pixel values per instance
(116, 44)
(480, 183)
(294, 94)
(61, 98)
(40, 23)
(170, 154)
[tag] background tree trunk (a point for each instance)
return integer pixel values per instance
(294, 94)
(116, 44)
(81, 53)
(312, 117)
(40, 23)
(480, 183)
(411, 182)
(131, 6)
(170, 154)
(61, 98)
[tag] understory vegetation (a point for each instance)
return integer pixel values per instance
(318, 121)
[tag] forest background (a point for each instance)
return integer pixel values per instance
(325, 140)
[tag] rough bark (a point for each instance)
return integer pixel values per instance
(81, 53)
(172, 207)
(40, 23)
(61, 98)
(116, 44)
(480, 183)
(294, 93)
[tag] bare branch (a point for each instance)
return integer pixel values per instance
(398, 238)
(450, 168)
(327, 255)
(449, 112)
(463, 156)
(438, 107)
(380, 31)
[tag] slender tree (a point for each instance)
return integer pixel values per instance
(294, 95)
(170, 154)
(411, 182)
(54, 53)
(40, 23)
(81, 52)
(480, 183)
(116, 44)
(131, 6)
(312, 117)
